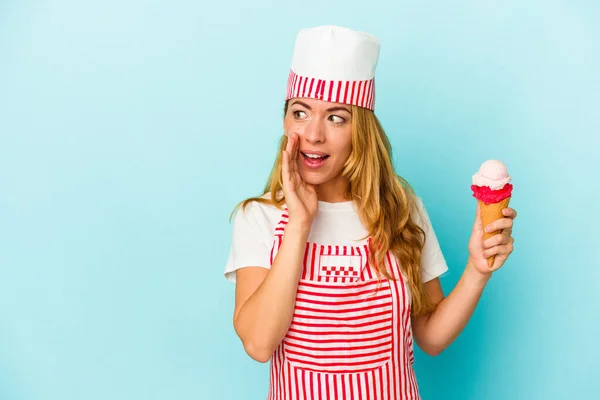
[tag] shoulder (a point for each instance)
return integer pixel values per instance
(265, 210)
(258, 217)
(418, 211)
(420, 215)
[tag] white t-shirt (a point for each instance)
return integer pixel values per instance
(335, 223)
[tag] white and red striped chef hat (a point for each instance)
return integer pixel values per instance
(335, 64)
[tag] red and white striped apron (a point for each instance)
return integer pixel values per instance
(350, 337)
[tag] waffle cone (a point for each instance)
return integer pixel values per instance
(490, 213)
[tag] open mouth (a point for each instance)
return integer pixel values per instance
(312, 160)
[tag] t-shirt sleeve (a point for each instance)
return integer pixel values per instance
(249, 241)
(433, 263)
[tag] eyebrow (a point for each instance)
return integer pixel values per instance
(328, 110)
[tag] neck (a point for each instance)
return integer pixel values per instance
(334, 191)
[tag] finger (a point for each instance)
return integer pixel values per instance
(502, 256)
(499, 260)
(290, 143)
(292, 148)
(509, 212)
(289, 151)
(298, 158)
(498, 239)
(506, 238)
(494, 241)
(285, 169)
(499, 224)
(297, 151)
(492, 251)
(498, 251)
(296, 148)
(294, 157)
(478, 225)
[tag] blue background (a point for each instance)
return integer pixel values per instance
(130, 129)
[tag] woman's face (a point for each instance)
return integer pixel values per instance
(325, 138)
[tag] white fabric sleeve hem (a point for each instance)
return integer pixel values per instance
(433, 262)
(231, 275)
(249, 241)
(441, 272)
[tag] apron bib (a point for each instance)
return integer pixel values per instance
(350, 336)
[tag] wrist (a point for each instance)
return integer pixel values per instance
(474, 276)
(297, 228)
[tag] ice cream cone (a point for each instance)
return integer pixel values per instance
(492, 189)
(490, 213)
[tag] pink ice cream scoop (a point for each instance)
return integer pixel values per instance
(491, 182)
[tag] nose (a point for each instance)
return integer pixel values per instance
(314, 132)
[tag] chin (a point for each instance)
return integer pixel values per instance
(314, 178)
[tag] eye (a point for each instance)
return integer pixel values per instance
(337, 119)
(297, 114)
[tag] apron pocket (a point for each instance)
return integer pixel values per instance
(341, 328)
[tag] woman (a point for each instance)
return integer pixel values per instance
(337, 265)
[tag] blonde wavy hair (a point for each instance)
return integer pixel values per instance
(384, 202)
